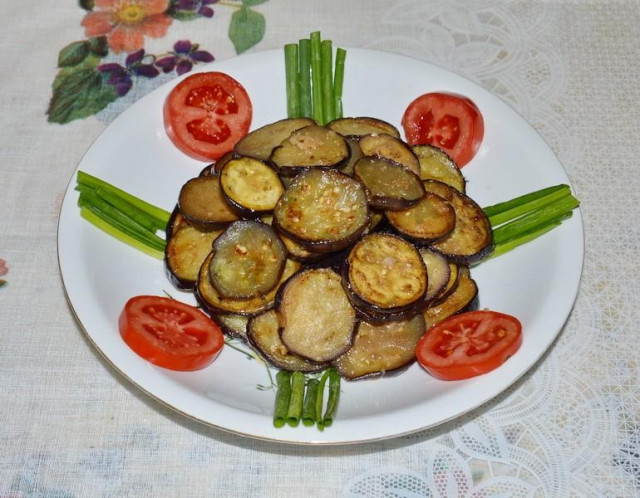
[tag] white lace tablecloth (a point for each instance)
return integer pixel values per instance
(72, 427)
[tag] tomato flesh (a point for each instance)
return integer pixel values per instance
(169, 333)
(206, 114)
(451, 122)
(469, 344)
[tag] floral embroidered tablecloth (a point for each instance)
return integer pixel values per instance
(71, 427)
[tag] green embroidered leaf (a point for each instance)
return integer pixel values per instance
(86, 4)
(79, 92)
(251, 3)
(99, 46)
(247, 28)
(73, 54)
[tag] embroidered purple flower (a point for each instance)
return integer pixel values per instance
(4, 269)
(119, 77)
(198, 7)
(184, 56)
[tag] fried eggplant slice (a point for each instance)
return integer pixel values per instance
(260, 143)
(471, 238)
(430, 219)
(203, 205)
(438, 272)
(184, 254)
(250, 186)
(435, 164)
(385, 274)
(381, 348)
(356, 127)
(323, 211)
(233, 325)
(463, 298)
(393, 148)
(311, 147)
(316, 315)
(248, 260)
(389, 185)
(264, 334)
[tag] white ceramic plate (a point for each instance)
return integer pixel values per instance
(537, 283)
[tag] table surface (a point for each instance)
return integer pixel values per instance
(71, 426)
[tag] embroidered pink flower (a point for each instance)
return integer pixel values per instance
(126, 22)
(4, 269)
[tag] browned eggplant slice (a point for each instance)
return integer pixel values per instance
(435, 164)
(203, 205)
(355, 153)
(250, 186)
(430, 219)
(176, 221)
(260, 143)
(471, 238)
(356, 127)
(264, 334)
(317, 318)
(248, 260)
(389, 185)
(211, 300)
(310, 147)
(217, 166)
(438, 272)
(381, 144)
(233, 325)
(184, 254)
(322, 210)
(381, 348)
(385, 274)
(463, 298)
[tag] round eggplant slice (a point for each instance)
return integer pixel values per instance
(176, 221)
(385, 273)
(185, 253)
(355, 153)
(250, 185)
(393, 148)
(430, 219)
(217, 166)
(438, 272)
(264, 334)
(211, 300)
(389, 185)
(233, 325)
(310, 147)
(203, 205)
(435, 164)
(324, 211)
(248, 259)
(359, 126)
(463, 298)
(471, 238)
(317, 318)
(381, 348)
(260, 142)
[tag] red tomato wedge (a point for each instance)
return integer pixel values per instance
(169, 333)
(206, 114)
(448, 121)
(469, 344)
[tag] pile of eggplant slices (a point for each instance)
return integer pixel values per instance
(336, 245)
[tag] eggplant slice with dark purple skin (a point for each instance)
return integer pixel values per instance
(438, 272)
(385, 274)
(463, 298)
(260, 143)
(430, 219)
(311, 147)
(471, 238)
(203, 205)
(250, 186)
(323, 211)
(389, 185)
(184, 254)
(248, 260)
(359, 126)
(435, 164)
(381, 348)
(316, 315)
(264, 334)
(233, 325)
(393, 148)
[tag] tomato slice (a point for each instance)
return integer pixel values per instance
(469, 344)
(169, 333)
(206, 114)
(448, 121)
